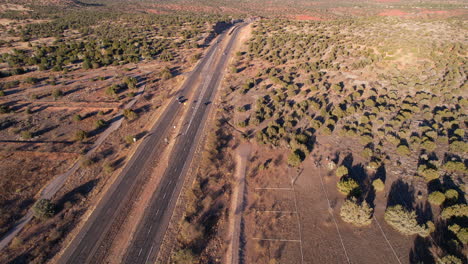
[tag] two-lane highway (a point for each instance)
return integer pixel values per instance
(94, 239)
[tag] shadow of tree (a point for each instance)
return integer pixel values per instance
(424, 212)
(401, 193)
(76, 194)
(420, 253)
(381, 173)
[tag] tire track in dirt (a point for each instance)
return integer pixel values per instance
(237, 204)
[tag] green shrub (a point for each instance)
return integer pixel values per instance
(108, 168)
(56, 93)
(26, 135)
(457, 210)
(341, 171)
(367, 153)
(294, 159)
(378, 185)
(348, 186)
(130, 114)
(451, 195)
(436, 198)
(100, 124)
(429, 173)
(460, 232)
(459, 146)
(112, 90)
(130, 82)
(77, 117)
(129, 139)
(428, 145)
(405, 221)
(356, 214)
(44, 209)
(449, 259)
(455, 166)
(403, 150)
(183, 256)
(166, 74)
(80, 135)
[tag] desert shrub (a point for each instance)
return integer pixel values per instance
(31, 80)
(403, 150)
(44, 209)
(428, 145)
(86, 161)
(454, 166)
(130, 82)
(112, 90)
(460, 232)
(429, 173)
(458, 146)
(378, 185)
(356, 214)
(241, 109)
(166, 74)
(367, 153)
(457, 210)
(183, 256)
(341, 171)
(348, 186)
(77, 117)
(4, 109)
(449, 259)
(16, 242)
(243, 123)
(436, 198)
(56, 93)
(451, 195)
(294, 159)
(26, 135)
(100, 123)
(459, 132)
(130, 114)
(129, 139)
(108, 168)
(405, 221)
(80, 135)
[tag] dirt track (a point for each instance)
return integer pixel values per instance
(237, 204)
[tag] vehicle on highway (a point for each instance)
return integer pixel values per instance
(181, 99)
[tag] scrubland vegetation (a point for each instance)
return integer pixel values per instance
(387, 96)
(391, 91)
(67, 73)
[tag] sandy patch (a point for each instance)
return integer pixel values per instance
(308, 18)
(393, 12)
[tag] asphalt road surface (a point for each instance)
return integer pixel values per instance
(151, 230)
(94, 240)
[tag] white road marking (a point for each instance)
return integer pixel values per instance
(157, 212)
(139, 253)
(202, 93)
(151, 250)
(164, 195)
(149, 230)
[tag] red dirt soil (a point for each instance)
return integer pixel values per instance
(155, 11)
(393, 12)
(387, 1)
(308, 18)
(440, 12)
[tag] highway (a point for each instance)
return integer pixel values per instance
(94, 240)
(151, 230)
